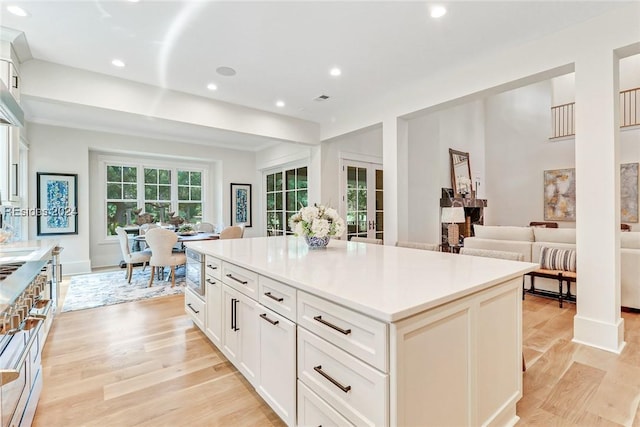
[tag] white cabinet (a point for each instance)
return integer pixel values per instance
(240, 336)
(194, 307)
(213, 320)
(277, 384)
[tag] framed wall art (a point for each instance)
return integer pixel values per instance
(629, 192)
(560, 195)
(57, 203)
(241, 204)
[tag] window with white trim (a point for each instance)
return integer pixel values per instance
(286, 193)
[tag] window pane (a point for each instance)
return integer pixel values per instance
(114, 173)
(196, 178)
(151, 176)
(183, 193)
(351, 200)
(362, 177)
(130, 191)
(379, 201)
(271, 201)
(379, 179)
(362, 199)
(159, 211)
(195, 193)
(191, 212)
(278, 196)
(351, 177)
(291, 200)
(278, 184)
(129, 174)
(164, 192)
(302, 198)
(164, 176)
(183, 178)
(114, 191)
(270, 182)
(302, 178)
(151, 192)
(117, 215)
(291, 179)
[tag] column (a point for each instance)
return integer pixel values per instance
(598, 322)
(395, 165)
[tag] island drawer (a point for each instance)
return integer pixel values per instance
(313, 411)
(194, 307)
(355, 389)
(355, 333)
(240, 279)
(213, 266)
(278, 297)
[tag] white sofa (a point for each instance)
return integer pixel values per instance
(529, 241)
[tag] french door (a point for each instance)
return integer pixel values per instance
(363, 199)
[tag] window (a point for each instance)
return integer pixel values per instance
(154, 189)
(284, 198)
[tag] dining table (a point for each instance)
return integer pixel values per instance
(183, 237)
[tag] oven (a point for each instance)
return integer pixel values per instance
(21, 341)
(195, 272)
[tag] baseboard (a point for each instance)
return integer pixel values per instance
(602, 335)
(77, 267)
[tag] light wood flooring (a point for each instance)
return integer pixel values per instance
(144, 363)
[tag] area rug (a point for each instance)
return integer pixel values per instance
(108, 288)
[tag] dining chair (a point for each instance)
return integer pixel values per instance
(131, 258)
(232, 232)
(205, 226)
(161, 242)
(366, 240)
(418, 245)
(242, 226)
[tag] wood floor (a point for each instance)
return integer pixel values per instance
(145, 364)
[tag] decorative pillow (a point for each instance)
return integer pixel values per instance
(555, 235)
(558, 259)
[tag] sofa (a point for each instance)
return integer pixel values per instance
(529, 242)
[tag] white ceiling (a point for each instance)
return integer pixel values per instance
(283, 50)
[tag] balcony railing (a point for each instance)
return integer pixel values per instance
(563, 116)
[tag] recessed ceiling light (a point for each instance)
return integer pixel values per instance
(212, 86)
(18, 11)
(438, 11)
(226, 71)
(335, 71)
(118, 63)
(280, 103)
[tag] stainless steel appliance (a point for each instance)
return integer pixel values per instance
(195, 272)
(24, 311)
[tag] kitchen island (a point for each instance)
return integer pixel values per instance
(366, 334)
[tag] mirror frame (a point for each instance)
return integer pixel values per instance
(454, 183)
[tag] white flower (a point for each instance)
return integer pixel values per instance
(316, 221)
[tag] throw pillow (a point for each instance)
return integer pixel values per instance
(558, 259)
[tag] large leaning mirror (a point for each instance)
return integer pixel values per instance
(460, 172)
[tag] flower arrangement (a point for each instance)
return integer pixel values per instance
(316, 221)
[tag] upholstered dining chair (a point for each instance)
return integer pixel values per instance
(367, 240)
(242, 225)
(161, 242)
(418, 245)
(232, 232)
(131, 258)
(207, 227)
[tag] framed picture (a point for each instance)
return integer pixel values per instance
(241, 204)
(560, 195)
(57, 204)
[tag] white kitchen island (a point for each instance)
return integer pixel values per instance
(360, 334)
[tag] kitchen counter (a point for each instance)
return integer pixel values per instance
(385, 282)
(26, 251)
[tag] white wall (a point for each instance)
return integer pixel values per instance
(430, 137)
(57, 149)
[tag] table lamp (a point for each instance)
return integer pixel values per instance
(452, 216)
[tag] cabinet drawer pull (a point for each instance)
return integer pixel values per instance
(273, 298)
(332, 326)
(233, 314)
(193, 309)
(209, 281)
(230, 276)
(211, 266)
(15, 82)
(319, 370)
(273, 322)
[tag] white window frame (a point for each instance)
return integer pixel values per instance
(283, 169)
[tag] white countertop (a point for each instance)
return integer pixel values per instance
(384, 282)
(26, 251)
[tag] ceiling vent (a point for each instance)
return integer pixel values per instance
(321, 98)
